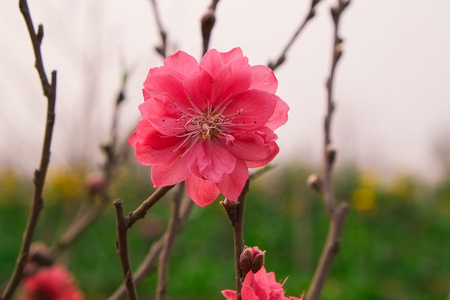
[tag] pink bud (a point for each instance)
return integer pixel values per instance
(251, 259)
(94, 183)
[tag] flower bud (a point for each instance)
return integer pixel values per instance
(94, 183)
(251, 259)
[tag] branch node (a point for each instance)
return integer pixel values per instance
(40, 33)
(314, 182)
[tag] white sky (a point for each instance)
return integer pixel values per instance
(392, 88)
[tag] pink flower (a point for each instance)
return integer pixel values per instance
(260, 286)
(52, 283)
(208, 122)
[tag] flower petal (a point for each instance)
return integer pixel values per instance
(229, 294)
(212, 62)
(182, 63)
(247, 146)
(263, 79)
(232, 184)
(273, 151)
(164, 84)
(156, 113)
(213, 161)
(151, 146)
(198, 88)
(280, 114)
(201, 191)
(231, 79)
(169, 174)
(233, 54)
(250, 110)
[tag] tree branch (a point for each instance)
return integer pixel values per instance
(49, 90)
(235, 213)
(162, 49)
(164, 256)
(148, 265)
(141, 211)
(336, 212)
(207, 22)
(122, 250)
(312, 12)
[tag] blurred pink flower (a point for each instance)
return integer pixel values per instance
(260, 286)
(52, 283)
(208, 122)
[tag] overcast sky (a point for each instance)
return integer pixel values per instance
(392, 85)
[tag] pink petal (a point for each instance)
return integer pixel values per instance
(166, 123)
(231, 79)
(249, 294)
(273, 151)
(280, 115)
(201, 191)
(233, 54)
(198, 88)
(152, 147)
(263, 79)
(164, 84)
(169, 174)
(229, 294)
(212, 62)
(182, 63)
(250, 110)
(267, 134)
(248, 146)
(213, 161)
(232, 184)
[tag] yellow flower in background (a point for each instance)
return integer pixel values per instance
(364, 199)
(64, 184)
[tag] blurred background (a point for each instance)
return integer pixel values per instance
(391, 129)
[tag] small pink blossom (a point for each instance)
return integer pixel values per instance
(207, 122)
(52, 283)
(260, 286)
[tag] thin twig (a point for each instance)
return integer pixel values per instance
(141, 211)
(336, 212)
(122, 250)
(207, 22)
(235, 213)
(164, 256)
(49, 90)
(148, 265)
(162, 49)
(79, 225)
(312, 12)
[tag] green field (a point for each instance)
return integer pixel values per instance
(395, 245)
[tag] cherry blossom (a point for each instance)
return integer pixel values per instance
(207, 122)
(260, 286)
(51, 283)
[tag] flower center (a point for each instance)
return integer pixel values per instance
(201, 125)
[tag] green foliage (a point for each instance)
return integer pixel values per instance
(394, 246)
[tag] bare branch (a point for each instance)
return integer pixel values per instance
(235, 213)
(208, 20)
(336, 212)
(164, 256)
(148, 265)
(162, 49)
(141, 211)
(122, 250)
(282, 57)
(49, 90)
